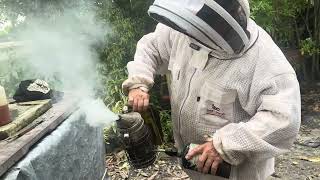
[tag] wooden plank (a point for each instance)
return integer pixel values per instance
(12, 151)
(13, 44)
(23, 114)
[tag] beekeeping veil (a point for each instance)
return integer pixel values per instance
(220, 25)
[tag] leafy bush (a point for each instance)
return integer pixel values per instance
(294, 25)
(280, 19)
(129, 22)
(12, 69)
(309, 47)
(128, 26)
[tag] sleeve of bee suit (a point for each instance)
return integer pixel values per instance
(273, 128)
(151, 57)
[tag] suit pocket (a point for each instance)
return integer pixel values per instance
(216, 106)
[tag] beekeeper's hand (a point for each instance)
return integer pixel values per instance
(209, 158)
(138, 99)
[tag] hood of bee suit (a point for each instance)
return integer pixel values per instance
(220, 25)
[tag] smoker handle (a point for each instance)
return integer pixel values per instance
(224, 169)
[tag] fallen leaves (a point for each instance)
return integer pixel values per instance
(117, 165)
(165, 168)
(310, 100)
(153, 176)
(310, 159)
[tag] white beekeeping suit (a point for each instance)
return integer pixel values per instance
(229, 81)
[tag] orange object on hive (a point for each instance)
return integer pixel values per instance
(4, 108)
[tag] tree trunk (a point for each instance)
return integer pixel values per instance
(305, 71)
(316, 57)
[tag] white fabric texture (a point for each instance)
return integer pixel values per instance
(245, 6)
(250, 104)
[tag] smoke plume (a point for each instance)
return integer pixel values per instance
(59, 47)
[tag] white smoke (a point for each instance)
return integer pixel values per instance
(97, 113)
(59, 48)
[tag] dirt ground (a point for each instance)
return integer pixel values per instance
(301, 163)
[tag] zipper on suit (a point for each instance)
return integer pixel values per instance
(183, 103)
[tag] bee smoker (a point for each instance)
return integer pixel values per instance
(140, 135)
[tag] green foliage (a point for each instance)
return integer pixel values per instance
(129, 22)
(10, 71)
(279, 18)
(127, 25)
(44, 8)
(309, 47)
(261, 11)
(293, 25)
(5, 31)
(13, 69)
(166, 123)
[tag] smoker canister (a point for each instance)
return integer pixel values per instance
(4, 108)
(137, 139)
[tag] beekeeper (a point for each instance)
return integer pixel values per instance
(229, 81)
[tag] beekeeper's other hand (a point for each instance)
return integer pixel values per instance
(138, 99)
(209, 158)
